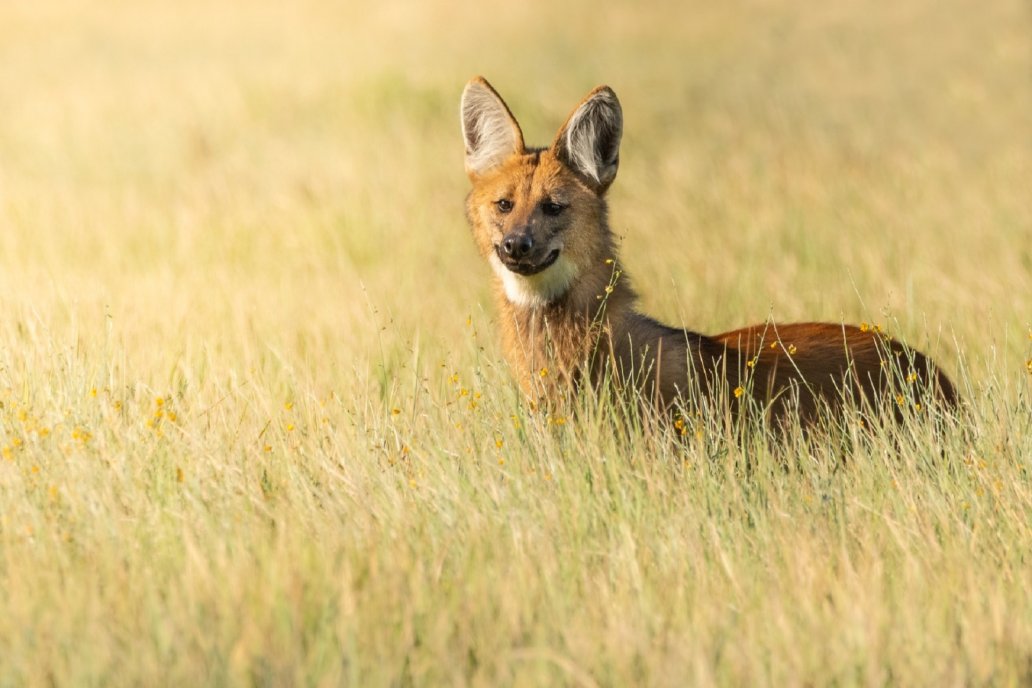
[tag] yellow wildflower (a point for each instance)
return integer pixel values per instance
(739, 392)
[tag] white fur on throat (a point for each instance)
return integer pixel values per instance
(535, 291)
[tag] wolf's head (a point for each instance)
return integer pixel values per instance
(538, 214)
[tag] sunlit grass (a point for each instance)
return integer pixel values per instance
(254, 424)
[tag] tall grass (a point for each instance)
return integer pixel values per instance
(254, 423)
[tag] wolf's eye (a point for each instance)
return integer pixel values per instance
(504, 205)
(552, 208)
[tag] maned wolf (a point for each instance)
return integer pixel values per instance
(568, 314)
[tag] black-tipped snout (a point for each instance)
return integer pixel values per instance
(517, 245)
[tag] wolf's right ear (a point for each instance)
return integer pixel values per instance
(488, 128)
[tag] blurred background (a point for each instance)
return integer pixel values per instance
(203, 183)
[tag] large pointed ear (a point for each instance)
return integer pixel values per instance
(488, 128)
(589, 142)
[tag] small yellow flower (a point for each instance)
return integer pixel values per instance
(791, 349)
(609, 261)
(751, 363)
(159, 401)
(267, 447)
(463, 392)
(454, 379)
(1028, 365)
(864, 327)
(395, 411)
(290, 427)
(739, 392)
(499, 443)
(912, 377)
(609, 289)
(899, 399)
(288, 406)
(501, 461)
(179, 475)
(93, 391)
(773, 345)
(543, 372)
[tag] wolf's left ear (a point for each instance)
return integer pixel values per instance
(589, 142)
(490, 131)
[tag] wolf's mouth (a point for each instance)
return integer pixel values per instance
(526, 267)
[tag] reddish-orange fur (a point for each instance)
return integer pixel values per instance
(575, 320)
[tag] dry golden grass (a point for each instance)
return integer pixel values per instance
(253, 420)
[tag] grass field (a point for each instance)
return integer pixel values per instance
(255, 427)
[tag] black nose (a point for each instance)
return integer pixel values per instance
(517, 245)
